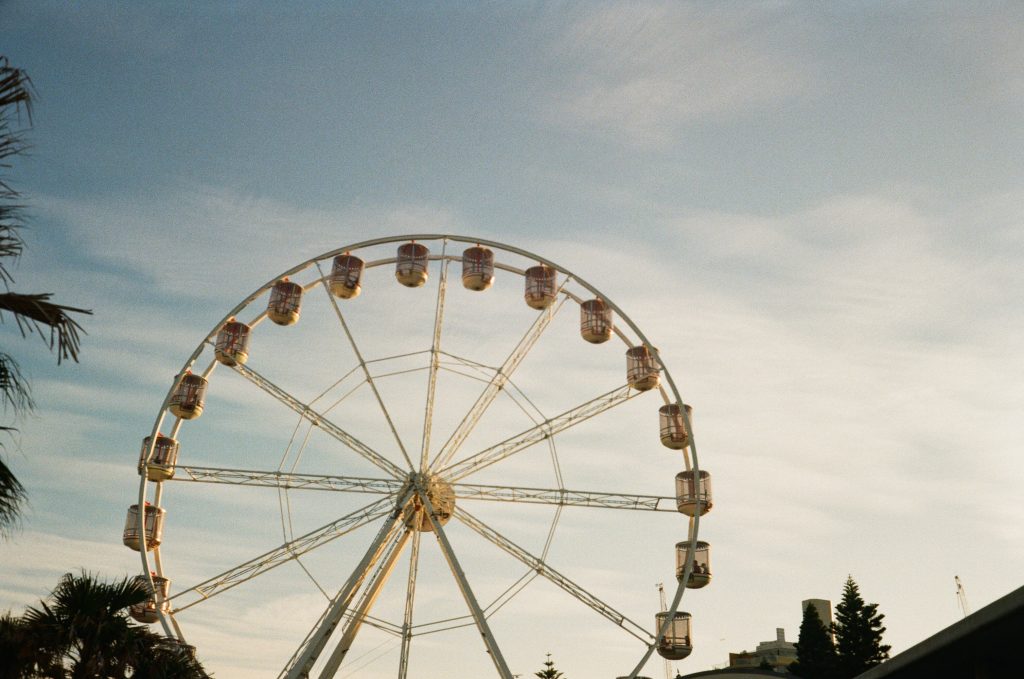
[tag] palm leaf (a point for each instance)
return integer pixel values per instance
(34, 311)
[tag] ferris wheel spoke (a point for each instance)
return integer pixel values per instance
(293, 549)
(301, 662)
(287, 480)
(541, 567)
(366, 601)
(538, 433)
(410, 599)
(564, 497)
(366, 370)
(496, 384)
(467, 593)
(435, 358)
(321, 421)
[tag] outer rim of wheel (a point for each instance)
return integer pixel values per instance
(171, 627)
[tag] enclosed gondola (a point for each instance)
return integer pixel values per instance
(165, 455)
(675, 645)
(153, 527)
(690, 492)
(149, 610)
(701, 574)
(541, 283)
(641, 368)
(285, 303)
(411, 264)
(189, 396)
(477, 268)
(346, 276)
(232, 345)
(672, 426)
(596, 321)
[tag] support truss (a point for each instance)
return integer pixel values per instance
(287, 480)
(554, 576)
(275, 557)
(494, 387)
(319, 420)
(564, 497)
(538, 433)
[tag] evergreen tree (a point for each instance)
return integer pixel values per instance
(549, 671)
(815, 653)
(858, 630)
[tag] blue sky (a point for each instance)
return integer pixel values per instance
(813, 211)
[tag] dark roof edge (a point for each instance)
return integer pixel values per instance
(959, 630)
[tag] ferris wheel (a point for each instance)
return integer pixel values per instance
(409, 410)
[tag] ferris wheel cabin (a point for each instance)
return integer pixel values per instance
(411, 264)
(232, 345)
(701, 574)
(165, 454)
(154, 527)
(673, 427)
(595, 321)
(689, 492)
(541, 286)
(675, 645)
(285, 302)
(641, 368)
(346, 276)
(189, 396)
(477, 268)
(147, 611)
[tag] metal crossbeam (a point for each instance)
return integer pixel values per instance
(495, 386)
(537, 433)
(288, 480)
(435, 357)
(319, 420)
(301, 662)
(283, 554)
(366, 601)
(467, 592)
(564, 497)
(554, 576)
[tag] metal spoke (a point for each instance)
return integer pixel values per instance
(410, 598)
(301, 662)
(467, 592)
(283, 554)
(496, 384)
(564, 497)
(554, 576)
(287, 480)
(362, 364)
(540, 432)
(366, 601)
(319, 420)
(435, 348)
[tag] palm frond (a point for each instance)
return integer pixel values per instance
(14, 388)
(15, 88)
(12, 498)
(34, 311)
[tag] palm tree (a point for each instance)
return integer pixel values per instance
(83, 632)
(33, 313)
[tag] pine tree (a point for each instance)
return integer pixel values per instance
(858, 630)
(549, 671)
(815, 653)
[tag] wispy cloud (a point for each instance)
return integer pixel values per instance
(640, 71)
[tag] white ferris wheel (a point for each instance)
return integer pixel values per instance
(417, 414)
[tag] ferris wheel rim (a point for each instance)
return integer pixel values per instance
(172, 628)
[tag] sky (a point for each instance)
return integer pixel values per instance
(814, 211)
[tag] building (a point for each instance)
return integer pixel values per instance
(823, 607)
(778, 653)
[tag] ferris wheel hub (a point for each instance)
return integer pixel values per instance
(441, 496)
